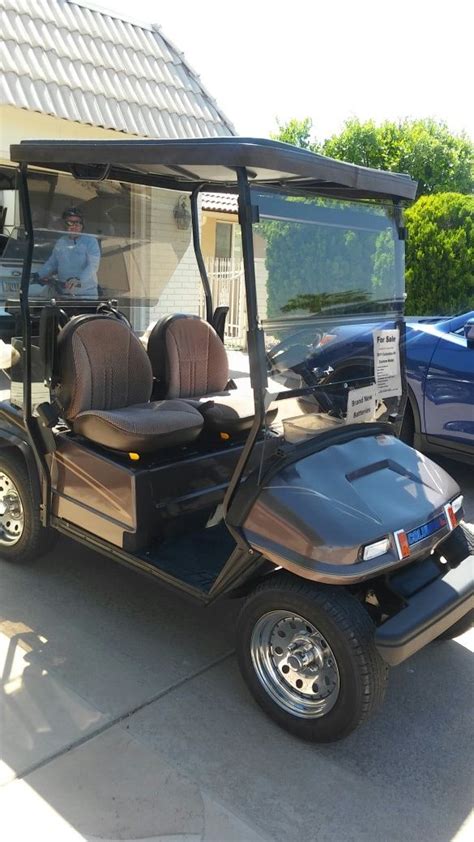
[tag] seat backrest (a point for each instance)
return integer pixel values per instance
(187, 357)
(102, 365)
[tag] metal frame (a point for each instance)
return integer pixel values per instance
(255, 335)
(198, 253)
(31, 424)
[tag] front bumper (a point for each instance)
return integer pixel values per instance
(433, 603)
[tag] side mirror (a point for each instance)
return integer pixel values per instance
(469, 333)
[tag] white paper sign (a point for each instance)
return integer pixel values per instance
(387, 363)
(360, 405)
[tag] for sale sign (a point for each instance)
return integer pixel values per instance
(387, 363)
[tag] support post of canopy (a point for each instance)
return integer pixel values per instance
(255, 337)
(31, 423)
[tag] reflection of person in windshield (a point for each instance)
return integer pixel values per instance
(74, 260)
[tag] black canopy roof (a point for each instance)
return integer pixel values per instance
(184, 164)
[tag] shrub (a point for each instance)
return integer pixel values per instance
(440, 254)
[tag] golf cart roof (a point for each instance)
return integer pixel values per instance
(210, 163)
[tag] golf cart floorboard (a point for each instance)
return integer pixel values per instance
(196, 558)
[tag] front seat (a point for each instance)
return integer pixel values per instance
(105, 383)
(189, 361)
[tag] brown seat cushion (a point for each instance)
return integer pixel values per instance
(187, 357)
(142, 427)
(189, 361)
(228, 412)
(102, 366)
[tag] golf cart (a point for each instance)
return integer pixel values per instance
(347, 546)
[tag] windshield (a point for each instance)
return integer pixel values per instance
(102, 240)
(330, 283)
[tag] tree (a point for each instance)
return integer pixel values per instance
(440, 248)
(440, 254)
(298, 133)
(439, 160)
(309, 266)
(326, 264)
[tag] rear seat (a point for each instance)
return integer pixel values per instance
(105, 383)
(189, 361)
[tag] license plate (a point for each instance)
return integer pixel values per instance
(426, 529)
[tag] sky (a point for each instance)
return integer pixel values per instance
(267, 62)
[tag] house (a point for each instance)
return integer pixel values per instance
(222, 247)
(72, 70)
(68, 62)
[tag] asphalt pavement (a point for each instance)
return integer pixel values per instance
(123, 716)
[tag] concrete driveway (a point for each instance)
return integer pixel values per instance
(123, 716)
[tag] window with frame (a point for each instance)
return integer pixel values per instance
(223, 239)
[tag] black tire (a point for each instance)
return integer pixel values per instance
(407, 430)
(346, 628)
(463, 625)
(34, 539)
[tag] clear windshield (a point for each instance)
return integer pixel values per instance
(96, 241)
(330, 295)
(329, 283)
(108, 240)
(9, 280)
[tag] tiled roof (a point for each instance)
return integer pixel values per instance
(220, 202)
(75, 61)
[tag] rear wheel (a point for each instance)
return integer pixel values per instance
(309, 659)
(22, 537)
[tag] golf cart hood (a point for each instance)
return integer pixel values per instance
(317, 513)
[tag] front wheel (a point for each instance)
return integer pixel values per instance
(22, 537)
(308, 657)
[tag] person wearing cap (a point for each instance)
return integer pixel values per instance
(75, 260)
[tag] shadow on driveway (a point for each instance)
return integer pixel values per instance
(87, 642)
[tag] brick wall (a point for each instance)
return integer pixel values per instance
(174, 280)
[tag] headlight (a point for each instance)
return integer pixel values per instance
(376, 549)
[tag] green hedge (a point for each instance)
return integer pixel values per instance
(440, 254)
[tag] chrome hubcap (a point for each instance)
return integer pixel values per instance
(11, 512)
(295, 664)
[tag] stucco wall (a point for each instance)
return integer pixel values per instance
(208, 230)
(18, 124)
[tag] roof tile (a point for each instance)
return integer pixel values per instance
(64, 58)
(220, 202)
